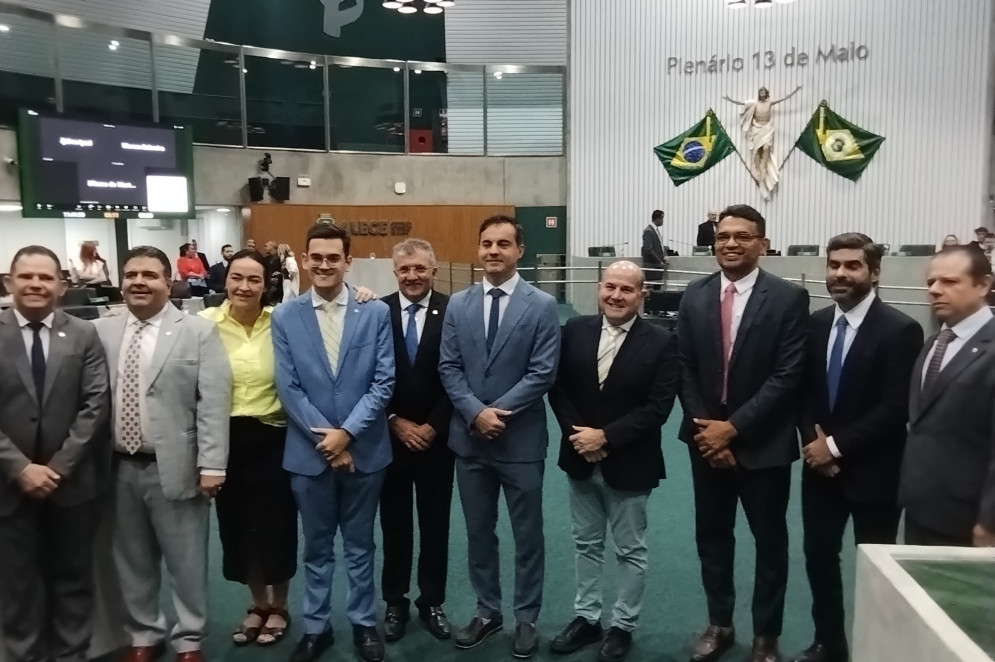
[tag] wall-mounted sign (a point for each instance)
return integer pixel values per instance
(378, 228)
(550, 221)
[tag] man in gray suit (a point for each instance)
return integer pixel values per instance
(500, 347)
(54, 458)
(948, 470)
(171, 385)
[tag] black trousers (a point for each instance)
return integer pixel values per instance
(764, 494)
(917, 534)
(46, 580)
(825, 511)
(427, 475)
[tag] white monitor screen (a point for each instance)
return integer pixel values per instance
(167, 193)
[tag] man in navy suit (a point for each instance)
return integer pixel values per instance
(500, 347)
(335, 376)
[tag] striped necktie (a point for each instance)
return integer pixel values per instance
(329, 320)
(607, 349)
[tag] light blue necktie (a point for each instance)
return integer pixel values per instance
(836, 361)
(411, 332)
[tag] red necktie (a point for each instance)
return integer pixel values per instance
(728, 298)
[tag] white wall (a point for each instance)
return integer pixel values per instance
(925, 87)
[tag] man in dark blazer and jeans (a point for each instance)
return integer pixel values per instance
(741, 334)
(860, 357)
(615, 387)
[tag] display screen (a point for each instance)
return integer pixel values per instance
(83, 168)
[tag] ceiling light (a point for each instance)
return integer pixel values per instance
(113, 45)
(245, 71)
(396, 69)
(407, 9)
(446, 3)
(391, 4)
(4, 28)
(432, 9)
(223, 210)
(498, 74)
(417, 71)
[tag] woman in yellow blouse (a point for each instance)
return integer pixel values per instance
(257, 516)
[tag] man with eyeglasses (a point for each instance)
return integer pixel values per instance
(741, 335)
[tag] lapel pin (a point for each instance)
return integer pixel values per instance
(169, 333)
(435, 312)
(62, 334)
(974, 350)
(355, 310)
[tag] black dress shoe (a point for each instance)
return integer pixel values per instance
(474, 633)
(395, 623)
(526, 641)
(617, 645)
(765, 650)
(311, 646)
(369, 648)
(436, 622)
(712, 643)
(577, 634)
(822, 653)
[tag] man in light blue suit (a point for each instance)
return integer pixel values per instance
(335, 376)
(500, 347)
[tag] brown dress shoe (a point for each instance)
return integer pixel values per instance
(192, 656)
(713, 642)
(143, 653)
(765, 650)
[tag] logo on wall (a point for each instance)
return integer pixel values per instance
(337, 16)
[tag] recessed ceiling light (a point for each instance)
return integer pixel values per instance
(396, 69)
(432, 9)
(223, 210)
(391, 4)
(417, 71)
(407, 9)
(113, 45)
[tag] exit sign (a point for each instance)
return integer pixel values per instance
(550, 221)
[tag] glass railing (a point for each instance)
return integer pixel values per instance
(244, 96)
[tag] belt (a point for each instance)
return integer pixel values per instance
(136, 457)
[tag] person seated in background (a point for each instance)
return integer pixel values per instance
(216, 274)
(191, 269)
(706, 231)
(91, 269)
(950, 240)
(979, 238)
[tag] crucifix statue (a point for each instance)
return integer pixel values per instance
(756, 120)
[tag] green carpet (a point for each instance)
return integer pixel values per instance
(673, 611)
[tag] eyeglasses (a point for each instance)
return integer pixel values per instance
(418, 271)
(740, 237)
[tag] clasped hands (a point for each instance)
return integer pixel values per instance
(817, 455)
(38, 481)
(590, 443)
(415, 437)
(489, 423)
(334, 448)
(713, 439)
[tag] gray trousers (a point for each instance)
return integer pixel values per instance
(150, 529)
(595, 507)
(480, 484)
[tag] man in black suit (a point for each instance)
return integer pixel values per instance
(216, 274)
(615, 387)
(742, 336)
(979, 241)
(706, 231)
(418, 416)
(55, 456)
(860, 358)
(653, 252)
(948, 472)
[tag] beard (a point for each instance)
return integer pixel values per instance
(856, 290)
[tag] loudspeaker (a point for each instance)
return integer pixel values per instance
(280, 189)
(256, 190)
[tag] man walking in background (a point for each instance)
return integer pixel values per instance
(653, 252)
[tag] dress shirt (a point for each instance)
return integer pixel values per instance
(605, 334)
(507, 287)
(964, 330)
(744, 288)
(420, 316)
(253, 365)
(149, 336)
(854, 318)
(29, 335)
(337, 313)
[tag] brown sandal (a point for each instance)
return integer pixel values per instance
(276, 633)
(243, 636)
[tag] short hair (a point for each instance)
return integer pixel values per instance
(501, 219)
(978, 268)
(412, 244)
(748, 213)
(657, 214)
(184, 248)
(327, 231)
(981, 229)
(152, 252)
(35, 249)
(856, 240)
(224, 247)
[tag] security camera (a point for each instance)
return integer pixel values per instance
(265, 162)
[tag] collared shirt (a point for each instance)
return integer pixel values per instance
(253, 365)
(336, 312)
(420, 315)
(854, 318)
(508, 287)
(744, 288)
(964, 330)
(605, 334)
(149, 337)
(29, 336)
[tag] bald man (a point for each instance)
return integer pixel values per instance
(706, 231)
(615, 387)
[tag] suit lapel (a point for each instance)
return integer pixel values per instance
(973, 350)
(117, 326)
(589, 342)
(312, 331)
(13, 339)
(169, 330)
(520, 301)
(58, 348)
(915, 387)
(713, 317)
(350, 320)
(753, 307)
(821, 331)
(433, 326)
(475, 317)
(401, 355)
(858, 350)
(632, 343)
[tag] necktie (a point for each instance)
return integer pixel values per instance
(728, 299)
(835, 368)
(607, 349)
(131, 419)
(38, 359)
(495, 317)
(331, 332)
(936, 361)
(411, 332)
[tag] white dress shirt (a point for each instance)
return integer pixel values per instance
(420, 315)
(149, 337)
(744, 288)
(29, 335)
(606, 336)
(854, 318)
(507, 287)
(337, 314)
(964, 330)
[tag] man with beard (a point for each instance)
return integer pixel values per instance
(860, 358)
(216, 274)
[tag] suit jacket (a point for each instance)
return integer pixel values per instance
(74, 438)
(634, 404)
(706, 234)
(188, 396)
(418, 392)
(351, 398)
(948, 471)
(652, 251)
(216, 277)
(872, 403)
(203, 260)
(766, 368)
(520, 369)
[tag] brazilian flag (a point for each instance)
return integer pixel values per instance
(696, 150)
(838, 145)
